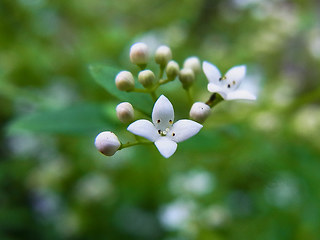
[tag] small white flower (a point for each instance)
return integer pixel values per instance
(227, 85)
(162, 131)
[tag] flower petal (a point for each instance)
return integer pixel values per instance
(166, 146)
(240, 94)
(162, 113)
(215, 88)
(144, 128)
(236, 74)
(211, 71)
(184, 129)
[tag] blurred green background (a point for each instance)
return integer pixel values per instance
(251, 173)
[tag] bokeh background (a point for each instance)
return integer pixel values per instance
(251, 173)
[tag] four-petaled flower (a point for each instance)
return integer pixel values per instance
(163, 132)
(227, 85)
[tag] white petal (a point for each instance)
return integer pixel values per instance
(211, 71)
(236, 73)
(184, 129)
(166, 146)
(144, 128)
(218, 89)
(162, 113)
(240, 94)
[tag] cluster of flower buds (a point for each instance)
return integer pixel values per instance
(162, 131)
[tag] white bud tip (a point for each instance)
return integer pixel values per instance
(125, 112)
(199, 112)
(139, 53)
(107, 143)
(193, 63)
(124, 81)
(163, 55)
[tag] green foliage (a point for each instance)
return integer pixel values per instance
(105, 76)
(251, 173)
(82, 119)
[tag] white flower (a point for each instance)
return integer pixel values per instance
(162, 131)
(227, 85)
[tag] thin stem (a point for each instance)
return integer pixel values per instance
(153, 89)
(161, 71)
(130, 144)
(154, 96)
(164, 81)
(189, 95)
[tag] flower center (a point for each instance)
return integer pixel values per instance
(164, 132)
(231, 84)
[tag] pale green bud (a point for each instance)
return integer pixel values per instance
(124, 81)
(172, 70)
(125, 112)
(163, 55)
(199, 112)
(107, 143)
(139, 54)
(193, 63)
(186, 77)
(146, 78)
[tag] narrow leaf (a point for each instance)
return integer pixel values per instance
(84, 119)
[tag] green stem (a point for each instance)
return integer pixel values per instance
(154, 96)
(214, 100)
(161, 71)
(164, 81)
(130, 144)
(189, 95)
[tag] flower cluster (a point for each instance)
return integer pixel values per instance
(162, 130)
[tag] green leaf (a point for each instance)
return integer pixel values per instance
(84, 119)
(105, 75)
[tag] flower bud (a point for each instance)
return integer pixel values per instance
(193, 63)
(125, 112)
(186, 77)
(146, 78)
(163, 55)
(139, 54)
(199, 112)
(124, 81)
(172, 70)
(107, 143)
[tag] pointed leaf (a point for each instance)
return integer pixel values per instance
(105, 76)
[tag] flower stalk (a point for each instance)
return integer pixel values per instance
(130, 144)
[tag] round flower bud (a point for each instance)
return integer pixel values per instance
(139, 53)
(146, 78)
(186, 77)
(163, 55)
(199, 112)
(107, 143)
(193, 63)
(125, 112)
(172, 70)
(124, 81)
